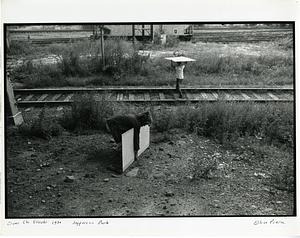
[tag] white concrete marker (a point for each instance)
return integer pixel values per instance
(128, 146)
(144, 139)
(127, 149)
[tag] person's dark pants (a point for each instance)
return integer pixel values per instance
(116, 132)
(178, 81)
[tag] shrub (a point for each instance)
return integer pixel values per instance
(87, 113)
(226, 122)
(163, 120)
(41, 127)
(70, 60)
(122, 58)
(39, 75)
(214, 63)
(278, 125)
(19, 48)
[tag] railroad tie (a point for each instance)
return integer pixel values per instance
(28, 97)
(41, 98)
(245, 96)
(131, 97)
(228, 97)
(258, 96)
(210, 96)
(68, 98)
(119, 96)
(216, 96)
(273, 96)
(288, 96)
(162, 96)
(204, 95)
(56, 96)
(147, 96)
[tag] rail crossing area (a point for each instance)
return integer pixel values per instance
(147, 95)
(214, 105)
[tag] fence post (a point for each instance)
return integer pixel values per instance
(13, 113)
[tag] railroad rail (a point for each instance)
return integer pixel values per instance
(245, 35)
(65, 96)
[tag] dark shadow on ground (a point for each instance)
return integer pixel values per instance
(106, 159)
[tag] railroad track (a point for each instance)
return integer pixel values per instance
(250, 35)
(40, 97)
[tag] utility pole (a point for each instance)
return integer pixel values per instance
(102, 46)
(143, 32)
(151, 33)
(93, 27)
(133, 34)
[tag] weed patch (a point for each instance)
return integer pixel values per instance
(226, 122)
(41, 127)
(87, 112)
(283, 177)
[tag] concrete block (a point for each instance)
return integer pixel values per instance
(144, 139)
(128, 147)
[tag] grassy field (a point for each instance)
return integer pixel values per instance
(221, 159)
(80, 64)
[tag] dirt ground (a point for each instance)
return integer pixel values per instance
(70, 175)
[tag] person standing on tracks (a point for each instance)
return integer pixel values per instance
(179, 67)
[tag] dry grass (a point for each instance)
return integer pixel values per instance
(226, 122)
(259, 64)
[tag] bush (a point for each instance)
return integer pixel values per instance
(163, 120)
(84, 58)
(122, 58)
(70, 60)
(226, 122)
(19, 48)
(39, 75)
(278, 125)
(214, 63)
(41, 127)
(87, 113)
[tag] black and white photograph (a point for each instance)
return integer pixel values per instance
(122, 118)
(150, 120)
